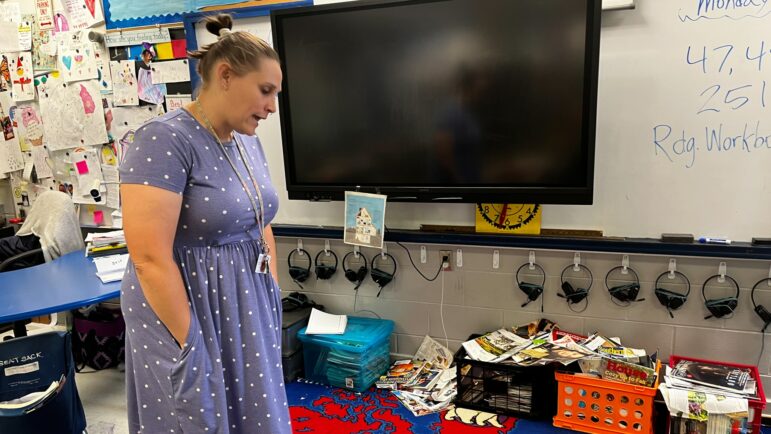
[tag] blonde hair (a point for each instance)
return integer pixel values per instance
(243, 51)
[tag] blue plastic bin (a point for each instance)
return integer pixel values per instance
(353, 360)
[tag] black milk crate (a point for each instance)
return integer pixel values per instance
(525, 391)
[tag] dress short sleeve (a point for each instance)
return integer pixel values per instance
(159, 156)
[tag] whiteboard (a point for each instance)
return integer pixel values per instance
(646, 180)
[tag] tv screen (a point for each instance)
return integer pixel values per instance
(449, 100)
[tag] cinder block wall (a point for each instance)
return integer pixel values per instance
(479, 298)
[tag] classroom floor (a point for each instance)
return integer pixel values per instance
(103, 394)
(104, 400)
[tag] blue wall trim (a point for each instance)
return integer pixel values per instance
(605, 245)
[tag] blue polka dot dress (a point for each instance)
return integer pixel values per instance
(227, 378)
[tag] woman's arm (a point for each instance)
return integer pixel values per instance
(271, 240)
(150, 217)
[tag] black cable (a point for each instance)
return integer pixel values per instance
(441, 264)
(762, 345)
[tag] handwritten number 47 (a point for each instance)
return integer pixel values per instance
(723, 53)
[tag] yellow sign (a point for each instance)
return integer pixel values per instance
(508, 218)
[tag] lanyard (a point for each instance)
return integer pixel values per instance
(258, 210)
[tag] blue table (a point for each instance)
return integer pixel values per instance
(68, 282)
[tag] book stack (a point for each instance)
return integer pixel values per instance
(708, 398)
(106, 244)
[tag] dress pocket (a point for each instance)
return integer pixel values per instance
(198, 388)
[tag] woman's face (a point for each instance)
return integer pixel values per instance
(252, 97)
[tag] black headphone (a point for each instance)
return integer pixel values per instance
(324, 271)
(355, 276)
(575, 295)
(627, 293)
(670, 299)
(382, 278)
(533, 290)
(764, 314)
(720, 307)
(297, 300)
(299, 274)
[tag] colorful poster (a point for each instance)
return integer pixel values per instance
(21, 76)
(11, 158)
(82, 14)
(45, 14)
(30, 123)
(73, 113)
(149, 92)
(124, 83)
(43, 48)
(364, 219)
(77, 60)
(5, 74)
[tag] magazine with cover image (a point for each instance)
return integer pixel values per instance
(492, 346)
(722, 377)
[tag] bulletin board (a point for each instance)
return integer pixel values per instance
(69, 103)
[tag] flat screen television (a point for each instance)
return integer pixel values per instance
(440, 100)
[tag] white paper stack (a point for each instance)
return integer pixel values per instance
(322, 323)
(111, 268)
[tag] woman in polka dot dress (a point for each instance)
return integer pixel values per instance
(203, 326)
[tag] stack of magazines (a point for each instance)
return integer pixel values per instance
(424, 384)
(708, 398)
(597, 355)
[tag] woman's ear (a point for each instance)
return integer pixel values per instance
(224, 73)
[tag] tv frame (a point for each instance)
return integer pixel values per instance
(445, 194)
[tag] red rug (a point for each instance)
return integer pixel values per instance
(323, 409)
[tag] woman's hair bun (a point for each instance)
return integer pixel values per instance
(215, 23)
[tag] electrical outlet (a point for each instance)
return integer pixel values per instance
(446, 256)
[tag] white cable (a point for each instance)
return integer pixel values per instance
(441, 315)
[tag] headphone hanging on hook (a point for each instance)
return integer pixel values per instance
(355, 276)
(627, 293)
(759, 309)
(381, 277)
(720, 307)
(299, 274)
(576, 295)
(532, 290)
(670, 299)
(324, 271)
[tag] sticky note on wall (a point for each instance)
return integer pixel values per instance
(98, 217)
(82, 167)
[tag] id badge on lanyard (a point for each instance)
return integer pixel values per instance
(263, 264)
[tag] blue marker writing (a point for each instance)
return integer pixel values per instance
(710, 240)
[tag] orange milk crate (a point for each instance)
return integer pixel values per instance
(594, 405)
